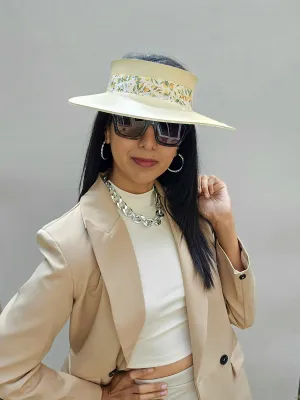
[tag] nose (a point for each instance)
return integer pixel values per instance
(148, 140)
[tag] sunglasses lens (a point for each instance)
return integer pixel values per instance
(170, 134)
(130, 127)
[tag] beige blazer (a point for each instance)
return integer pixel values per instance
(90, 274)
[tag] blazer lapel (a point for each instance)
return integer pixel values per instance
(117, 262)
(196, 298)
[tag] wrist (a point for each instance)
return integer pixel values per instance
(226, 220)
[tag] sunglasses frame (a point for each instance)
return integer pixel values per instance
(147, 124)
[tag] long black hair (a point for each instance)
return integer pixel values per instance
(180, 188)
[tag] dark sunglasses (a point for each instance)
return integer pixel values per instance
(166, 134)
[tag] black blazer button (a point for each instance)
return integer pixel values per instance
(112, 373)
(243, 276)
(224, 359)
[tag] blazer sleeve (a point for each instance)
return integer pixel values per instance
(28, 326)
(238, 287)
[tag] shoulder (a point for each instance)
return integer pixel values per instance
(68, 234)
(67, 228)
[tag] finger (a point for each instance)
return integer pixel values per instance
(133, 393)
(211, 182)
(155, 395)
(145, 388)
(199, 184)
(204, 185)
(136, 373)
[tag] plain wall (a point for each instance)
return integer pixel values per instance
(246, 55)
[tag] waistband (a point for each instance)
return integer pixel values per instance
(180, 378)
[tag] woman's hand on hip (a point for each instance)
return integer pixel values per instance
(123, 387)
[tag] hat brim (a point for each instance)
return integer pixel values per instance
(145, 107)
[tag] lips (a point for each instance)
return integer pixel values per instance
(144, 162)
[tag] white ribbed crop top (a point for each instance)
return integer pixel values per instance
(164, 338)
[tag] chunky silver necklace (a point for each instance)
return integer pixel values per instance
(128, 212)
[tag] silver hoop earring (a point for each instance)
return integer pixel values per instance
(102, 151)
(175, 171)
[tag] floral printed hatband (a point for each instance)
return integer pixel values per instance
(146, 86)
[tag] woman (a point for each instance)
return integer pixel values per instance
(147, 264)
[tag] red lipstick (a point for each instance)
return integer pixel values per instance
(144, 162)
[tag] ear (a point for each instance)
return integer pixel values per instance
(108, 135)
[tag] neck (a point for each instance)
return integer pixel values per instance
(126, 184)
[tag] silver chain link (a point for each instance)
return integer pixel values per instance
(128, 212)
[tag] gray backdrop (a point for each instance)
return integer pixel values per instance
(246, 55)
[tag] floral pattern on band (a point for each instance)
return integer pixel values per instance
(147, 86)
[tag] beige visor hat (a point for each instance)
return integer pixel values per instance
(150, 91)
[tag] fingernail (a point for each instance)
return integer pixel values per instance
(164, 386)
(163, 393)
